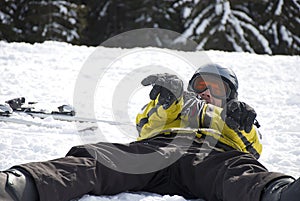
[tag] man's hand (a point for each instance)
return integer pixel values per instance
(239, 115)
(168, 87)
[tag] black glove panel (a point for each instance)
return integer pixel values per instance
(170, 88)
(239, 115)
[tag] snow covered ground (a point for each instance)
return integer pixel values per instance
(52, 74)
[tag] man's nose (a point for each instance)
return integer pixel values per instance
(205, 93)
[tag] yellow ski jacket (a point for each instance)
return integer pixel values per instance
(193, 113)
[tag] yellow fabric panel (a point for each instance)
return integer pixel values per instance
(159, 120)
(218, 136)
(216, 122)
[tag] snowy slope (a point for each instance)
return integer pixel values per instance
(48, 73)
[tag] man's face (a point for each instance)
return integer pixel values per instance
(206, 95)
(211, 88)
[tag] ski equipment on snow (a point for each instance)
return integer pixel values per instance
(5, 110)
(64, 113)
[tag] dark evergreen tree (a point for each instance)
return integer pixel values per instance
(149, 14)
(112, 17)
(9, 22)
(155, 14)
(51, 20)
(280, 23)
(255, 26)
(223, 25)
(40, 20)
(102, 20)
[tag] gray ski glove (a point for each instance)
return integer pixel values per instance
(239, 115)
(168, 87)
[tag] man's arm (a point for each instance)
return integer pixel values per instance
(163, 110)
(188, 111)
(154, 118)
(233, 130)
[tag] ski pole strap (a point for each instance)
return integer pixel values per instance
(256, 123)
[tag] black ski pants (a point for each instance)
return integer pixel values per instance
(173, 165)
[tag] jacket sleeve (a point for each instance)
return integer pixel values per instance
(191, 112)
(153, 118)
(201, 115)
(239, 139)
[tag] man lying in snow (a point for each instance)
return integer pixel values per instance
(198, 144)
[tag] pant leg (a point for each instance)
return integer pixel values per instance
(63, 178)
(106, 169)
(91, 169)
(136, 166)
(200, 171)
(227, 176)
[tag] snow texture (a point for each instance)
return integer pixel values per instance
(47, 73)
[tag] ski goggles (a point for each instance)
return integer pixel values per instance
(218, 88)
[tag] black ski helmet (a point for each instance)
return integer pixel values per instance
(226, 74)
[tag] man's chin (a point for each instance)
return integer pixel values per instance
(208, 102)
